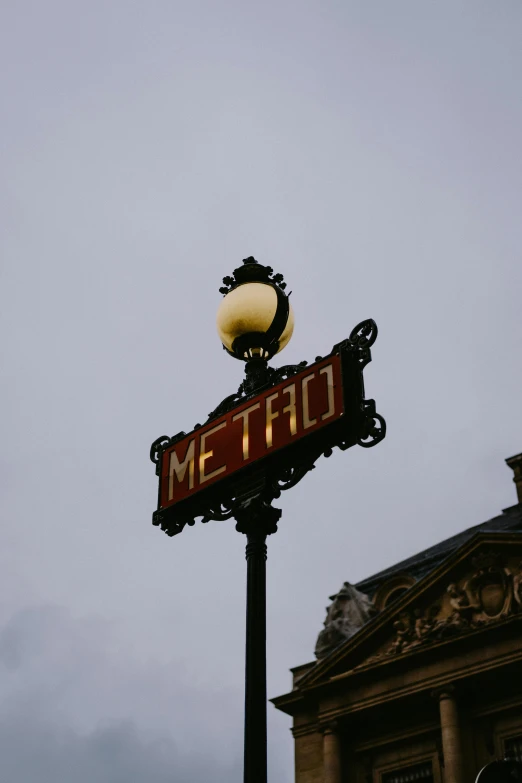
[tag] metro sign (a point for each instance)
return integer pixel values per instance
(270, 439)
(265, 424)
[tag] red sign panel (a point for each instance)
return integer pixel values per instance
(266, 423)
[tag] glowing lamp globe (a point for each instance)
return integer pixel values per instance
(255, 319)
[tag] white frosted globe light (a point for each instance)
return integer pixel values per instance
(250, 308)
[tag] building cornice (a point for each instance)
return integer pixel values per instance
(312, 693)
(442, 682)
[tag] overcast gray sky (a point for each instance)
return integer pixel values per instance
(371, 152)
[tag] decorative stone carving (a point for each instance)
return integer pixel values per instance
(490, 594)
(348, 612)
(461, 604)
(413, 629)
(490, 588)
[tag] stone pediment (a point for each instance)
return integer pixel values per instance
(478, 586)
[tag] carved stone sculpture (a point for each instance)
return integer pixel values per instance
(425, 622)
(348, 612)
(403, 633)
(490, 588)
(491, 593)
(463, 607)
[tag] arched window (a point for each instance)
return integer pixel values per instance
(392, 589)
(391, 597)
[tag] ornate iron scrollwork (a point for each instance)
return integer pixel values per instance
(219, 512)
(173, 527)
(364, 334)
(258, 378)
(157, 447)
(226, 405)
(160, 444)
(279, 374)
(362, 337)
(289, 477)
(374, 426)
(252, 271)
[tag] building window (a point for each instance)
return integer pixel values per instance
(423, 772)
(513, 748)
(392, 589)
(394, 595)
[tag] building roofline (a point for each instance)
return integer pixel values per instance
(511, 518)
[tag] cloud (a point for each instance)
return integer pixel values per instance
(75, 707)
(36, 752)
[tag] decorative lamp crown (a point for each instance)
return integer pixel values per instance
(255, 319)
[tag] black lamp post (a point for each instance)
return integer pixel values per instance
(255, 321)
(261, 441)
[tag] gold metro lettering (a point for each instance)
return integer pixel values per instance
(269, 422)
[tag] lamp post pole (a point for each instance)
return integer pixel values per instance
(256, 520)
(255, 748)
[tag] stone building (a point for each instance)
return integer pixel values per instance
(418, 674)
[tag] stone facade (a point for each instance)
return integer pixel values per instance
(419, 670)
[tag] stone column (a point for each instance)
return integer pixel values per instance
(451, 739)
(331, 754)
